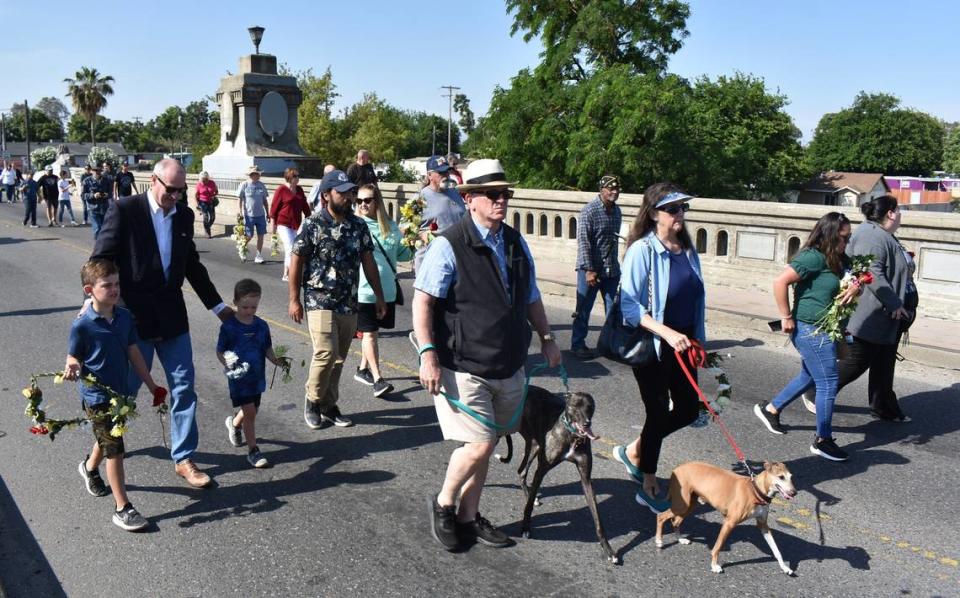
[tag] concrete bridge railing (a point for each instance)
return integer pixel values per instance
(743, 244)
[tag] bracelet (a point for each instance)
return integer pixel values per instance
(425, 348)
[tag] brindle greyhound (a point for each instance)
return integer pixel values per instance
(557, 428)
(736, 497)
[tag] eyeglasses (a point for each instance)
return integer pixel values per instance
(675, 208)
(295, 175)
(495, 194)
(172, 191)
(366, 199)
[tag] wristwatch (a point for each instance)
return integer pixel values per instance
(547, 337)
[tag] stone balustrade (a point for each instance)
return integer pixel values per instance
(743, 244)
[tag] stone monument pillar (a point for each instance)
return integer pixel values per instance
(258, 121)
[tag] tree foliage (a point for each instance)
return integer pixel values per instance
(53, 108)
(582, 35)
(951, 151)
(461, 105)
(88, 92)
(876, 134)
(42, 127)
(723, 138)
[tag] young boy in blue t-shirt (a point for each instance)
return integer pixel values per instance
(242, 347)
(103, 342)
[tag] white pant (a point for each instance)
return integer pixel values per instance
(287, 235)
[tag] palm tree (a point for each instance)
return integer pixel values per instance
(88, 92)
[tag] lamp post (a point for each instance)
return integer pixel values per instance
(256, 34)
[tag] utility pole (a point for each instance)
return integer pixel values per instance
(433, 145)
(26, 127)
(450, 89)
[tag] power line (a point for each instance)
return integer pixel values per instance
(450, 89)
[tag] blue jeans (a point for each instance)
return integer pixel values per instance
(65, 205)
(96, 219)
(586, 295)
(818, 368)
(10, 189)
(176, 356)
(86, 211)
(30, 211)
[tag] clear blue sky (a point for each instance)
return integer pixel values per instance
(818, 53)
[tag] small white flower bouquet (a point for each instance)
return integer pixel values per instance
(235, 368)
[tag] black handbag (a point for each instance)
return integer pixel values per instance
(399, 299)
(630, 345)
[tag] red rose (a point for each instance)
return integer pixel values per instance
(159, 396)
(39, 430)
(866, 278)
(433, 226)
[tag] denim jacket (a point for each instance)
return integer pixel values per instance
(634, 284)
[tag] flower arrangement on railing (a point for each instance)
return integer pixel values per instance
(720, 402)
(411, 220)
(275, 245)
(833, 321)
(122, 408)
(240, 237)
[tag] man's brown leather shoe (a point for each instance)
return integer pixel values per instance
(188, 471)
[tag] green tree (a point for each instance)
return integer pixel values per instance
(78, 128)
(951, 151)
(206, 142)
(376, 126)
(53, 108)
(319, 134)
(580, 35)
(876, 135)
(461, 105)
(88, 92)
(419, 128)
(42, 127)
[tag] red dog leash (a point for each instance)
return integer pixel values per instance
(697, 356)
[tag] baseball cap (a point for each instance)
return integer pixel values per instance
(336, 179)
(437, 164)
(610, 182)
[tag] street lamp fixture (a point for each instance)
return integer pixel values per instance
(256, 34)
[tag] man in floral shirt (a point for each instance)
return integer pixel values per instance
(326, 259)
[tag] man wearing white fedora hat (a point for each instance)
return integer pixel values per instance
(476, 298)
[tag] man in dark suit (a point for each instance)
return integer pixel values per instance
(150, 238)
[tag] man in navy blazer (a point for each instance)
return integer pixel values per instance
(150, 238)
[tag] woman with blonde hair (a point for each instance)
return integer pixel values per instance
(388, 249)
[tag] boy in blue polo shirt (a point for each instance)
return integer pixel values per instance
(103, 342)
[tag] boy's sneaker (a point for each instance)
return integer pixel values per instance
(364, 376)
(483, 532)
(311, 414)
(234, 433)
(256, 458)
(336, 418)
(381, 387)
(443, 524)
(129, 519)
(771, 421)
(92, 480)
(828, 449)
(258, 259)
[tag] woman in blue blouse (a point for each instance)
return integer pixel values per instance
(659, 246)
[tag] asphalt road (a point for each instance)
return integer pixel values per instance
(342, 511)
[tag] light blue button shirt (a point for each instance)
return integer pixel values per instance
(438, 271)
(634, 285)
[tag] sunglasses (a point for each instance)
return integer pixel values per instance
(173, 191)
(366, 199)
(495, 194)
(675, 208)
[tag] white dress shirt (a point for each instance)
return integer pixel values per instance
(163, 228)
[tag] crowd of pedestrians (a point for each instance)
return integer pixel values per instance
(475, 307)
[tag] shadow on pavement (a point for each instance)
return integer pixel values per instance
(40, 311)
(14, 241)
(717, 345)
(413, 427)
(24, 570)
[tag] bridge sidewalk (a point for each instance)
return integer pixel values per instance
(933, 341)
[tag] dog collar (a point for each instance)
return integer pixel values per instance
(761, 498)
(566, 424)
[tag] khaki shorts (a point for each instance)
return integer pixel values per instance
(496, 400)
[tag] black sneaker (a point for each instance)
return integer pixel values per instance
(234, 433)
(129, 519)
(583, 353)
(771, 421)
(443, 525)
(311, 414)
(334, 416)
(92, 479)
(364, 376)
(256, 459)
(484, 532)
(828, 449)
(381, 387)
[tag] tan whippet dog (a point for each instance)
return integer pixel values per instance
(735, 496)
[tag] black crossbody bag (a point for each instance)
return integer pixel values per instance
(399, 299)
(630, 345)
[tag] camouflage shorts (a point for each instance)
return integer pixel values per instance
(112, 446)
